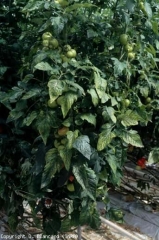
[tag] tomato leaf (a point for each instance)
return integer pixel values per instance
(129, 118)
(86, 178)
(100, 86)
(105, 137)
(131, 137)
(51, 167)
(43, 66)
(111, 112)
(94, 96)
(56, 88)
(67, 101)
(71, 136)
(90, 118)
(66, 155)
(82, 144)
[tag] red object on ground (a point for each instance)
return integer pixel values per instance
(142, 162)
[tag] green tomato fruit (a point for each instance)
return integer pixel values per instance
(51, 104)
(123, 39)
(67, 48)
(45, 43)
(126, 102)
(148, 100)
(70, 187)
(46, 36)
(71, 53)
(64, 58)
(128, 47)
(131, 55)
(53, 43)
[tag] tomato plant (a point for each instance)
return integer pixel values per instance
(84, 86)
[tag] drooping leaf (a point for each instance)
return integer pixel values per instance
(67, 101)
(105, 137)
(100, 86)
(86, 178)
(56, 88)
(131, 137)
(94, 96)
(111, 159)
(129, 118)
(71, 136)
(90, 118)
(43, 66)
(51, 167)
(82, 144)
(111, 113)
(66, 155)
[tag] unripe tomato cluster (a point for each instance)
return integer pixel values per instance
(48, 41)
(68, 53)
(127, 46)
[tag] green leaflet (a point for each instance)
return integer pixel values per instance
(82, 144)
(66, 155)
(94, 96)
(67, 101)
(105, 137)
(111, 113)
(71, 136)
(90, 118)
(100, 86)
(131, 137)
(56, 88)
(129, 118)
(43, 66)
(86, 178)
(51, 167)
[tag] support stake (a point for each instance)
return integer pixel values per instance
(79, 232)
